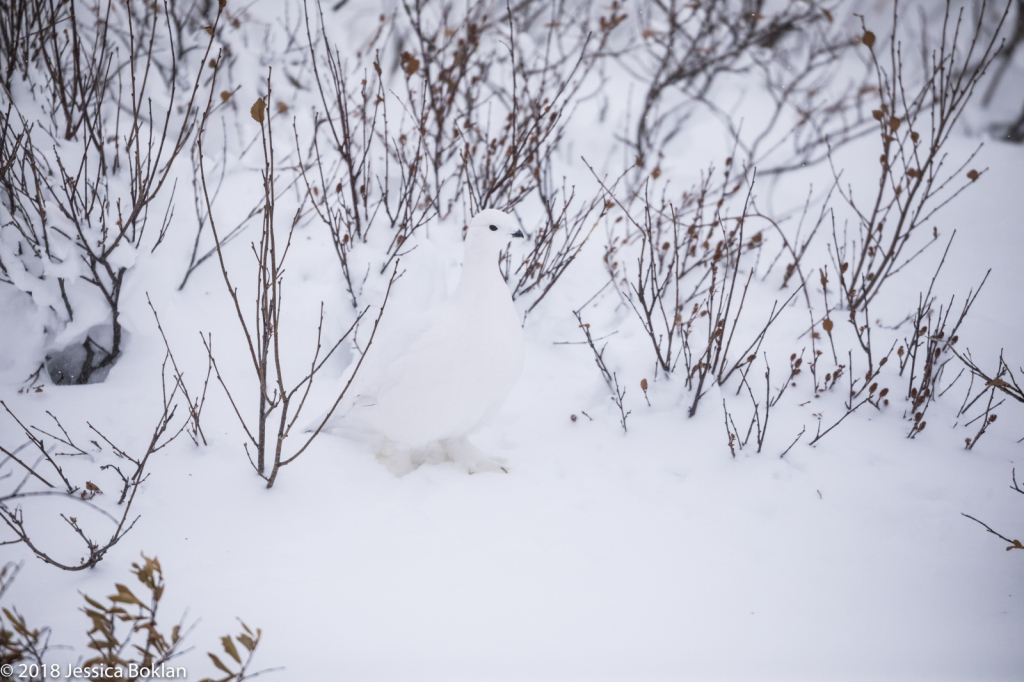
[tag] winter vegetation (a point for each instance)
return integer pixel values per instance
(770, 292)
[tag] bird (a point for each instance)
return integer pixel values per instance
(427, 392)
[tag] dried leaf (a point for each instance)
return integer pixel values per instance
(972, 174)
(257, 110)
(222, 3)
(225, 96)
(216, 662)
(124, 595)
(229, 648)
(376, 67)
(282, 107)
(877, 114)
(894, 123)
(643, 385)
(868, 39)
(208, 29)
(409, 64)
(827, 325)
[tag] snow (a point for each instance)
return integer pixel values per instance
(603, 554)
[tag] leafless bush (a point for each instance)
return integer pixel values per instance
(689, 47)
(610, 378)
(1002, 381)
(472, 121)
(925, 350)
(913, 125)
(1014, 544)
(263, 334)
(79, 487)
(74, 219)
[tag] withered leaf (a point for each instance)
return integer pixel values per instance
(826, 324)
(972, 174)
(282, 107)
(229, 648)
(409, 64)
(868, 39)
(257, 110)
(225, 96)
(208, 29)
(894, 123)
(643, 385)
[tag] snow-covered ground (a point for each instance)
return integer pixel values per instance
(603, 554)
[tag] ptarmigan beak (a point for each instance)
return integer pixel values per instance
(518, 233)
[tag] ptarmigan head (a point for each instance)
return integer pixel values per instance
(489, 232)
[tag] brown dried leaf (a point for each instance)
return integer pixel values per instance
(225, 96)
(257, 110)
(282, 107)
(208, 29)
(868, 39)
(827, 325)
(229, 648)
(409, 64)
(972, 174)
(643, 385)
(894, 123)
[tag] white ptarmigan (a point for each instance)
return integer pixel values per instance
(456, 372)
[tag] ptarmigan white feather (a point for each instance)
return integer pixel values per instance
(457, 370)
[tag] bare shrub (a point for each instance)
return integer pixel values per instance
(687, 48)
(610, 378)
(77, 222)
(1013, 544)
(79, 486)
(263, 333)
(471, 121)
(913, 125)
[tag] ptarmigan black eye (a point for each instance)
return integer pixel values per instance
(494, 228)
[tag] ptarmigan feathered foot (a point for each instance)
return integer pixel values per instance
(464, 455)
